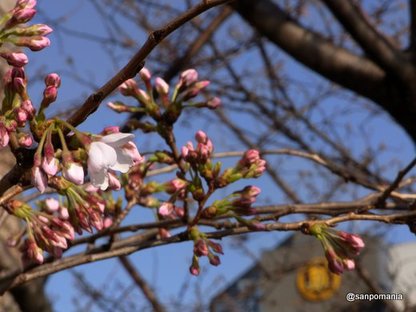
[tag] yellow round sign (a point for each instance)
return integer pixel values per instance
(315, 282)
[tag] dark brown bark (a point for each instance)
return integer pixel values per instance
(384, 75)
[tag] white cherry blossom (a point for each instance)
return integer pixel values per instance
(115, 151)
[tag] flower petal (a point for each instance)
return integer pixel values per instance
(99, 178)
(117, 139)
(101, 156)
(124, 161)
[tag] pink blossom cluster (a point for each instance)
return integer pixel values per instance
(13, 30)
(164, 107)
(53, 226)
(45, 231)
(203, 151)
(17, 109)
(237, 204)
(251, 165)
(203, 247)
(340, 247)
(103, 155)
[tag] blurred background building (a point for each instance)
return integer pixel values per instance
(294, 277)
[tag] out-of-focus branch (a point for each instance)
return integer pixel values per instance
(311, 49)
(372, 42)
(192, 50)
(137, 61)
(142, 284)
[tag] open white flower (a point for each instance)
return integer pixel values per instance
(113, 151)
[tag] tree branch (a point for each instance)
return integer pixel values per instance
(137, 62)
(20, 172)
(311, 49)
(142, 284)
(371, 41)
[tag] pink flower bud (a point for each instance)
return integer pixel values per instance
(74, 172)
(161, 86)
(33, 252)
(145, 74)
(349, 264)
(166, 209)
(18, 72)
(37, 30)
(185, 151)
(50, 167)
(50, 93)
(107, 222)
(175, 185)
(214, 260)
(53, 79)
(201, 137)
(128, 87)
(21, 16)
(251, 156)
(118, 107)
(19, 85)
(35, 43)
(216, 247)
(39, 179)
(252, 191)
(4, 136)
(25, 4)
(334, 262)
(51, 204)
(17, 59)
(28, 107)
(21, 116)
(188, 77)
(143, 96)
(194, 270)
(201, 248)
(214, 103)
(63, 212)
(25, 140)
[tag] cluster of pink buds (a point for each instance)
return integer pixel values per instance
(176, 187)
(251, 165)
(85, 206)
(340, 247)
(17, 108)
(13, 30)
(46, 232)
(203, 247)
(50, 93)
(169, 210)
(203, 151)
(238, 203)
(163, 107)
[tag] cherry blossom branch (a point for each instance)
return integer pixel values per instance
(20, 174)
(137, 61)
(146, 240)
